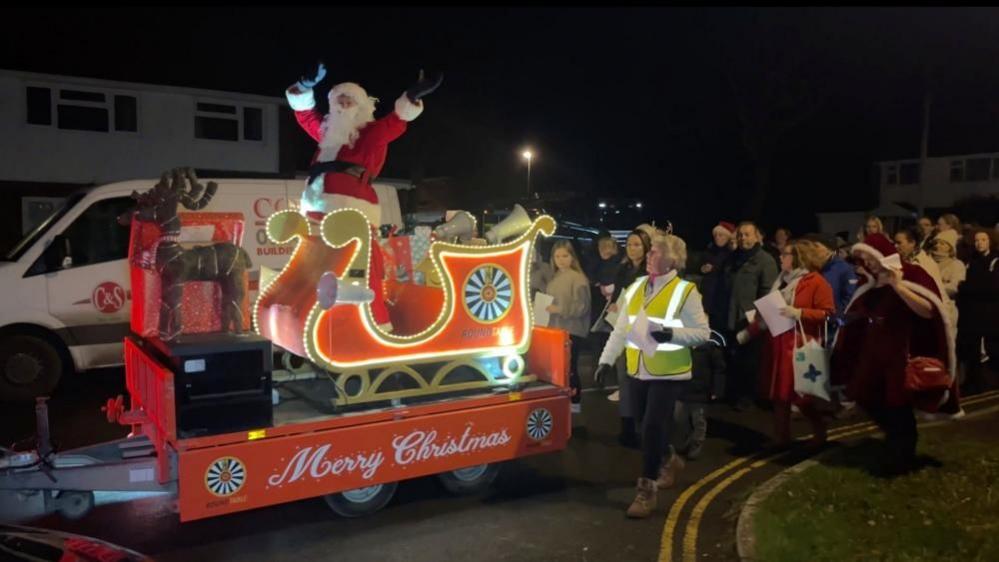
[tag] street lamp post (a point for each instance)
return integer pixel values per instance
(528, 155)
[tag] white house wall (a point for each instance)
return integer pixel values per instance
(165, 139)
(940, 191)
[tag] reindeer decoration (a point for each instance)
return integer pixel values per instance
(222, 262)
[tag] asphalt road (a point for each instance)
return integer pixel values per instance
(566, 506)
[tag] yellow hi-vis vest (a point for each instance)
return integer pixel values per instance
(663, 309)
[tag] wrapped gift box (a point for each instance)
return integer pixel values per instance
(201, 304)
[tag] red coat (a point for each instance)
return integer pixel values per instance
(881, 333)
(814, 297)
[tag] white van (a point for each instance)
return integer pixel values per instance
(64, 288)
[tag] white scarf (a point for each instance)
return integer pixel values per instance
(791, 278)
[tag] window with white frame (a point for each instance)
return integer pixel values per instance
(908, 173)
(891, 174)
(82, 109)
(977, 169)
(228, 122)
(956, 170)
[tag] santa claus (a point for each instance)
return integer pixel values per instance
(351, 153)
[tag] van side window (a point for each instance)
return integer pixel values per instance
(96, 237)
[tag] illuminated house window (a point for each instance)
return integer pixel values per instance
(227, 122)
(82, 110)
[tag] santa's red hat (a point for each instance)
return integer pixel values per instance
(879, 246)
(723, 226)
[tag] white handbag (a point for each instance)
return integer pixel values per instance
(811, 365)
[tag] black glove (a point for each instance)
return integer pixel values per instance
(604, 374)
(423, 87)
(663, 336)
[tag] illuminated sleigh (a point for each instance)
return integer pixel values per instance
(470, 333)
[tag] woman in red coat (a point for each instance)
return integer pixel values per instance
(809, 300)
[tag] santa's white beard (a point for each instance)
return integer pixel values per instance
(340, 128)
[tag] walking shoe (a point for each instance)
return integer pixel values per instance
(695, 450)
(614, 396)
(668, 472)
(645, 499)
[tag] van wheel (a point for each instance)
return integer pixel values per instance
(30, 366)
(362, 501)
(470, 480)
(75, 505)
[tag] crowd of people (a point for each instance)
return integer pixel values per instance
(890, 308)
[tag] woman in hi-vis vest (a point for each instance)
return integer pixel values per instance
(664, 319)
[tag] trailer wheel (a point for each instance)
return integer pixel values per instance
(470, 480)
(75, 504)
(362, 501)
(30, 366)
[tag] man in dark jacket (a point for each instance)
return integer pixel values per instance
(977, 324)
(719, 250)
(749, 274)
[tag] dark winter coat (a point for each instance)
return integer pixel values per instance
(626, 275)
(716, 257)
(708, 373)
(978, 299)
(749, 275)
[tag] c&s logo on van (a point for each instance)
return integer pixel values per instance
(108, 297)
(263, 208)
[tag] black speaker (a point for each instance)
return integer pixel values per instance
(222, 382)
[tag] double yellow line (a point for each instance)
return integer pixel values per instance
(752, 462)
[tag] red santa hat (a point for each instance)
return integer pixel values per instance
(723, 226)
(879, 246)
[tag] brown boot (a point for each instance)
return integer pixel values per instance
(668, 472)
(645, 499)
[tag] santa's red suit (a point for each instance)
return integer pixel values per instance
(341, 172)
(881, 333)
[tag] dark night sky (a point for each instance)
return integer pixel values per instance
(629, 101)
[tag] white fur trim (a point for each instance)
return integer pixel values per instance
(300, 99)
(355, 91)
(407, 110)
(865, 248)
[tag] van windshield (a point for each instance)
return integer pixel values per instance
(29, 240)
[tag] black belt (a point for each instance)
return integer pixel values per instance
(320, 168)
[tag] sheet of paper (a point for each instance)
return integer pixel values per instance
(541, 302)
(769, 306)
(639, 334)
(612, 316)
(600, 319)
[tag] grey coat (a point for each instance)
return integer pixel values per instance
(748, 282)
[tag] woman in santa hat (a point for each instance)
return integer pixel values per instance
(895, 315)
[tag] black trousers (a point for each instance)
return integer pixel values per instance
(654, 403)
(899, 425)
(744, 369)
